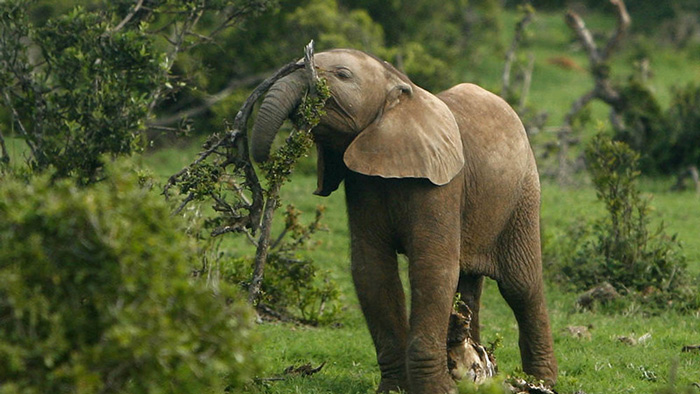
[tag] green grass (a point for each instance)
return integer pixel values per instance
(601, 364)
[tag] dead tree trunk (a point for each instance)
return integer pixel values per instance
(602, 90)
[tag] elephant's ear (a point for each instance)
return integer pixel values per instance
(415, 137)
(330, 171)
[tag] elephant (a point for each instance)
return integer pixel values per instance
(449, 181)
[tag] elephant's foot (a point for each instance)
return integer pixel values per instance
(435, 385)
(392, 385)
(546, 371)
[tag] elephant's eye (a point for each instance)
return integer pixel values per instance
(343, 73)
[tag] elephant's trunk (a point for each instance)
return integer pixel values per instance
(282, 98)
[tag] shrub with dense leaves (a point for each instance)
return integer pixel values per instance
(88, 93)
(96, 295)
(668, 141)
(684, 126)
(622, 248)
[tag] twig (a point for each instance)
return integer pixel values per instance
(510, 55)
(163, 128)
(527, 81)
(263, 249)
(210, 101)
(307, 233)
(310, 66)
(5, 158)
(202, 156)
(623, 24)
(280, 238)
(186, 201)
(126, 19)
(585, 37)
(230, 21)
(23, 130)
(177, 46)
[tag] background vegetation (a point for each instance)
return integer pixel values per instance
(89, 248)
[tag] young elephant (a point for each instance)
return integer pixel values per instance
(448, 180)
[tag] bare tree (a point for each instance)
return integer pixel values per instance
(602, 90)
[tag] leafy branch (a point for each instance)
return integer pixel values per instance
(224, 174)
(86, 84)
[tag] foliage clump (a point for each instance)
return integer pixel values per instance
(293, 287)
(621, 248)
(683, 118)
(96, 295)
(88, 93)
(668, 140)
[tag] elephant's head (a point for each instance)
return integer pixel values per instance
(377, 122)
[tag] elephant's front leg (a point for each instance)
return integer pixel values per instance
(434, 272)
(381, 296)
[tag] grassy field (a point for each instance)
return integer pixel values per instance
(599, 364)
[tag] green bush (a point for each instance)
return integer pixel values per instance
(669, 141)
(644, 127)
(292, 286)
(683, 117)
(96, 295)
(621, 248)
(85, 95)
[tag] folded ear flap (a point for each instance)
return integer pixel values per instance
(330, 171)
(415, 137)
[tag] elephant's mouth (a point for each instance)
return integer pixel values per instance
(336, 111)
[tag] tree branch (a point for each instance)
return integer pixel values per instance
(585, 37)
(527, 81)
(623, 23)
(128, 17)
(577, 106)
(23, 130)
(510, 55)
(236, 136)
(273, 197)
(5, 158)
(603, 89)
(211, 100)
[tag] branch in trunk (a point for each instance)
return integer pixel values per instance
(236, 135)
(272, 203)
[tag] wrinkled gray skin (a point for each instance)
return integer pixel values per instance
(450, 181)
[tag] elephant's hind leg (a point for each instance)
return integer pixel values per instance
(520, 282)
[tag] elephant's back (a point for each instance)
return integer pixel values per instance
(493, 136)
(500, 170)
(489, 126)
